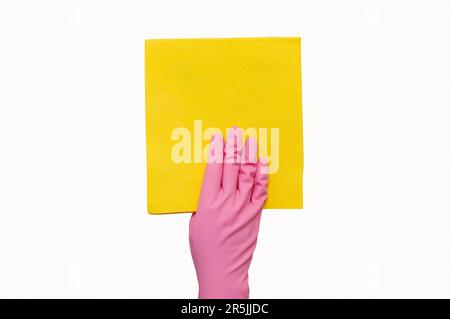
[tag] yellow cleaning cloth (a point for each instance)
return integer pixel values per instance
(196, 86)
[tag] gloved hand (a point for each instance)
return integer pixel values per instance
(223, 232)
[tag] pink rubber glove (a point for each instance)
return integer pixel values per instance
(224, 230)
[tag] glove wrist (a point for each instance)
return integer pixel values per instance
(224, 288)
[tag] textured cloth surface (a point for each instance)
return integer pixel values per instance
(221, 83)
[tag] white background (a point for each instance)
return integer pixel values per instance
(376, 105)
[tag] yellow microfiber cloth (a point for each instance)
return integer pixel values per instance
(195, 87)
